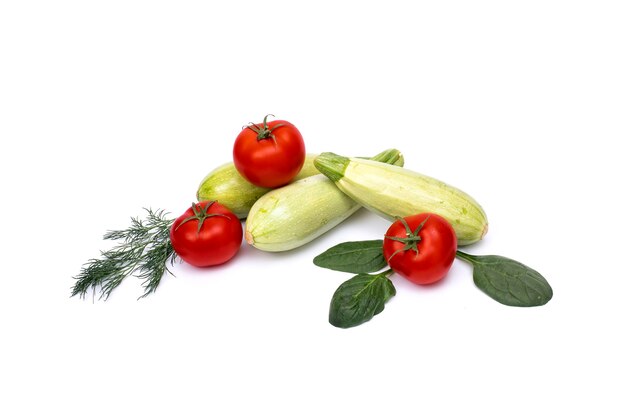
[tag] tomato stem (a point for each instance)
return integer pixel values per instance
(264, 131)
(201, 214)
(412, 237)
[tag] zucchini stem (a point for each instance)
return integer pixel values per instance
(331, 165)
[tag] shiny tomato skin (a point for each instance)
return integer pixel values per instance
(436, 249)
(218, 240)
(270, 162)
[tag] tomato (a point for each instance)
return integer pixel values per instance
(421, 248)
(269, 154)
(206, 234)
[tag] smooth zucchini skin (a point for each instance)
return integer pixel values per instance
(293, 215)
(226, 185)
(392, 191)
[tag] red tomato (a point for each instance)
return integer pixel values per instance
(269, 154)
(206, 234)
(421, 248)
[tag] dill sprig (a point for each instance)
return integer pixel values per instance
(144, 250)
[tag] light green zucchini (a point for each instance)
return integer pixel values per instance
(226, 185)
(290, 216)
(392, 191)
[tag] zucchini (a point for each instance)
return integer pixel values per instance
(392, 191)
(290, 216)
(226, 185)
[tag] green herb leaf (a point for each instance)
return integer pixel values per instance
(143, 249)
(359, 299)
(509, 282)
(355, 257)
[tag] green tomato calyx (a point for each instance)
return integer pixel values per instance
(201, 214)
(263, 131)
(412, 237)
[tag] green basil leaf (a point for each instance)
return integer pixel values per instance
(355, 257)
(508, 281)
(359, 299)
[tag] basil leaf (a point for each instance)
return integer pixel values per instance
(355, 257)
(359, 299)
(509, 282)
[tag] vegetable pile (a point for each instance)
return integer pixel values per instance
(288, 198)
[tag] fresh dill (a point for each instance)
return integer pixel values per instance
(144, 250)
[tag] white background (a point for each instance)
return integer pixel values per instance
(108, 107)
